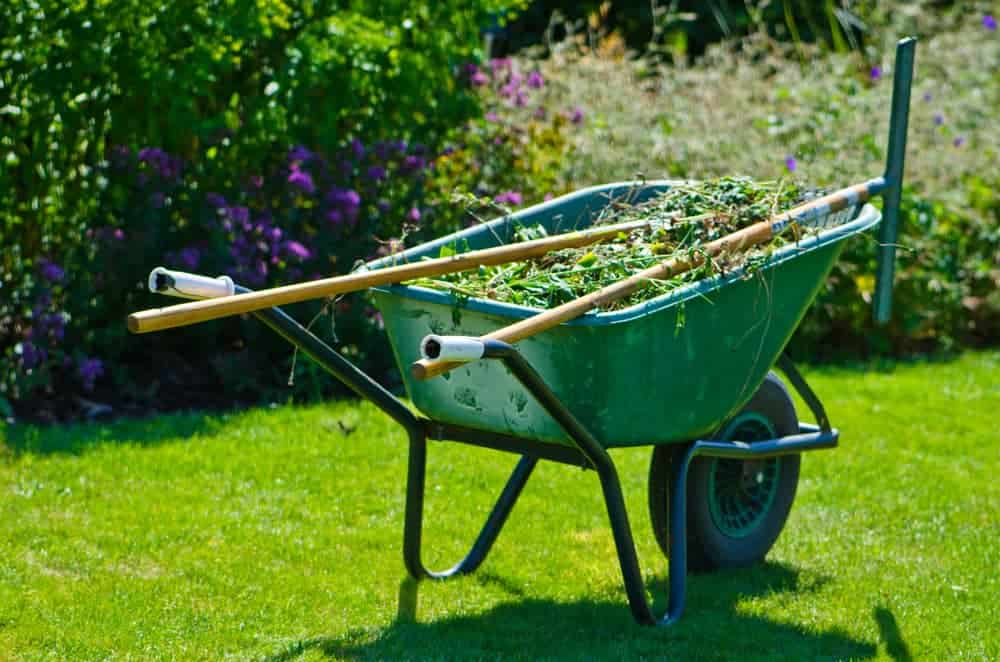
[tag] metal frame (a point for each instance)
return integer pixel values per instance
(586, 452)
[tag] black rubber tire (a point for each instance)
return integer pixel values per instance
(708, 546)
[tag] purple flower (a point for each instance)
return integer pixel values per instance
(190, 257)
(376, 173)
(51, 271)
(576, 116)
(297, 249)
(512, 198)
(215, 200)
(343, 198)
(479, 79)
(256, 181)
(535, 80)
(938, 119)
(335, 216)
(301, 179)
(118, 234)
(989, 23)
(150, 154)
(89, 370)
(299, 153)
(791, 163)
(958, 141)
(491, 117)
(499, 64)
(53, 324)
(413, 164)
(521, 99)
(413, 214)
(238, 214)
(345, 202)
(358, 149)
(876, 73)
(928, 96)
(32, 355)
(167, 166)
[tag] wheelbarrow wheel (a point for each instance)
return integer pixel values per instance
(736, 508)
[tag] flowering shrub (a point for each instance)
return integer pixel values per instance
(516, 152)
(207, 98)
(300, 214)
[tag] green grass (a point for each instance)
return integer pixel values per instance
(275, 534)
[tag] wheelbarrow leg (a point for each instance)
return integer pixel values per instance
(621, 530)
(599, 459)
(413, 527)
(363, 385)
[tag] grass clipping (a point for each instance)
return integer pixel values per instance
(681, 220)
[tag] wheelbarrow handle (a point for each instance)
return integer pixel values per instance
(809, 215)
(218, 303)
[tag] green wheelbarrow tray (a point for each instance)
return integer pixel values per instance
(696, 354)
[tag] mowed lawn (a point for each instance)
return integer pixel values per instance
(276, 534)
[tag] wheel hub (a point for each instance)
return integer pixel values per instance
(741, 492)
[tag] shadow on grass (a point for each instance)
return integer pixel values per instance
(714, 626)
(79, 438)
(891, 636)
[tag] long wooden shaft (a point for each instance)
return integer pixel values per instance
(752, 235)
(193, 312)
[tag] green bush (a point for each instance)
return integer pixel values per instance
(947, 292)
(119, 118)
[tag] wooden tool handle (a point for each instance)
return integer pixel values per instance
(193, 312)
(732, 243)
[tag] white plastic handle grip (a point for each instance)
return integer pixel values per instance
(189, 286)
(451, 348)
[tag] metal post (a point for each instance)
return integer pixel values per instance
(889, 230)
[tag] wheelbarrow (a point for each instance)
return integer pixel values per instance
(688, 372)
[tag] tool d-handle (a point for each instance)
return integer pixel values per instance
(189, 286)
(451, 348)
